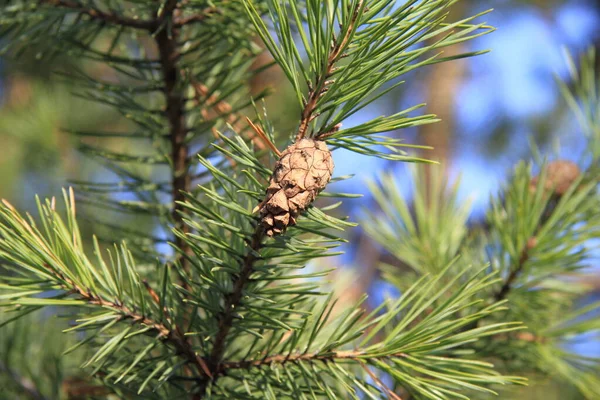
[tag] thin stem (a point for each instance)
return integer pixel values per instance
(166, 41)
(379, 383)
(232, 302)
(354, 355)
(173, 335)
(102, 15)
(135, 23)
(308, 113)
(206, 13)
(514, 274)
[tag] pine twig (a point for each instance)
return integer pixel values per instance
(173, 335)
(315, 93)
(232, 301)
(102, 16)
(379, 383)
(135, 23)
(166, 41)
(353, 355)
(206, 13)
(514, 274)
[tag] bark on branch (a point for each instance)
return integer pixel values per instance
(232, 301)
(104, 16)
(172, 335)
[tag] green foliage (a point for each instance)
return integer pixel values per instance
(51, 269)
(229, 313)
(22, 342)
(583, 97)
(402, 338)
(537, 242)
(355, 51)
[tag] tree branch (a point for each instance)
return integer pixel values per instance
(116, 19)
(173, 336)
(191, 19)
(512, 277)
(103, 16)
(315, 93)
(354, 355)
(166, 41)
(232, 301)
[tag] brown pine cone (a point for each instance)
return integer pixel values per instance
(560, 175)
(303, 171)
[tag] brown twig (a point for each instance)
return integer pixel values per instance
(311, 357)
(102, 15)
(166, 41)
(221, 108)
(315, 93)
(76, 388)
(173, 335)
(136, 23)
(379, 383)
(191, 19)
(232, 301)
(354, 355)
(514, 273)
(521, 336)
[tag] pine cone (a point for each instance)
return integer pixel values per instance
(303, 171)
(560, 175)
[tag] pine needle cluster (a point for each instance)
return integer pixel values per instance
(228, 311)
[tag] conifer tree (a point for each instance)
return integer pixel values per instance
(234, 309)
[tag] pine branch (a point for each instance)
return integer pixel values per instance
(320, 88)
(232, 301)
(102, 16)
(135, 23)
(354, 355)
(514, 274)
(173, 335)
(166, 41)
(188, 20)
(557, 178)
(26, 386)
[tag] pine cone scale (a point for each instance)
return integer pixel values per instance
(302, 172)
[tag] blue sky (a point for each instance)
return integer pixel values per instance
(514, 82)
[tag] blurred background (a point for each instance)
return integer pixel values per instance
(491, 106)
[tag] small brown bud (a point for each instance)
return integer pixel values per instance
(560, 175)
(527, 337)
(531, 242)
